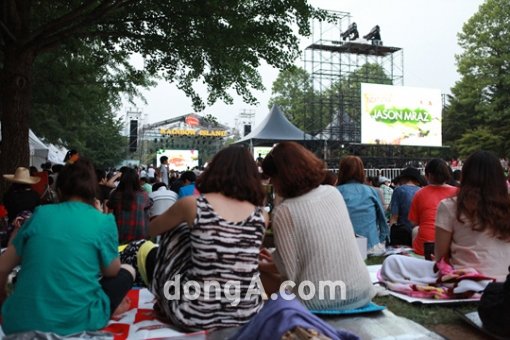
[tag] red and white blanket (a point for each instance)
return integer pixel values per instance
(139, 321)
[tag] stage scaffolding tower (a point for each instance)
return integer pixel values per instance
(336, 68)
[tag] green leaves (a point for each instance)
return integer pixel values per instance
(81, 50)
(478, 110)
(77, 91)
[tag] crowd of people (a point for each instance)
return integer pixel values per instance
(88, 236)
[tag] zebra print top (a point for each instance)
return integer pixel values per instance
(211, 260)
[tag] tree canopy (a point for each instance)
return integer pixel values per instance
(218, 43)
(479, 108)
(77, 91)
(347, 90)
(292, 90)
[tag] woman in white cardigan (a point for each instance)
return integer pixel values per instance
(314, 238)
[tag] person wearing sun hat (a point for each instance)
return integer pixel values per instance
(20, 196)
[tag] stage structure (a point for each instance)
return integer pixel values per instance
(244, 122)
(187, 132)
(337, 68)
(132, 126)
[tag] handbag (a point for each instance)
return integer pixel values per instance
(494, 308)
(400, 235)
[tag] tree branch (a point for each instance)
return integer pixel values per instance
(80, 21)
(63, 20)
(51, 44)
(7, 31)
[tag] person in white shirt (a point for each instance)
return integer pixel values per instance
(163, 170)
(151, 172)
(163, 199)
(143, 172)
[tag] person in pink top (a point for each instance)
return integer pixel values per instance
(424, 204)
(472, 230)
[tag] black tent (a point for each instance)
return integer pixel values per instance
(275, 127)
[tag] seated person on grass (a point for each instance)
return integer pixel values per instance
(215, 239)
(472, 230)
(313, 234)
(425, 202)
(63, 250)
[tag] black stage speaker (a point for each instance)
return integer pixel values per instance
(133, 135)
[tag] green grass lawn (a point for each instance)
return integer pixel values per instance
(425, 315)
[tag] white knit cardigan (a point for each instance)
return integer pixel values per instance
(315, 242)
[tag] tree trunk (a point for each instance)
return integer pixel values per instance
(15, 107)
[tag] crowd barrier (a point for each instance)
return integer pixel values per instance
(390, 173)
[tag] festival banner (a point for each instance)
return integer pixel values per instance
(179, 160)
(397, 115)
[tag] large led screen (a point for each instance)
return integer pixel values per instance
(399, 115)
(261, 150)
(179, 160)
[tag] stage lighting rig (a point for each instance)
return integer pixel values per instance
(374, 35)
(351, 32)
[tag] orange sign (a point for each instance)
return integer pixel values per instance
(192, 121)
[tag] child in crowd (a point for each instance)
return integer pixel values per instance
(62, 249)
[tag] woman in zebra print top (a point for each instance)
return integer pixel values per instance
(211, 243)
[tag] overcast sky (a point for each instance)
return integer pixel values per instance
(425, 29)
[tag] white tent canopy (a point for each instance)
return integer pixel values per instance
(275, 127)
(41, 152)
(38, 150)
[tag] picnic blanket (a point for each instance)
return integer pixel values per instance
(139, 322)
(426, 279)
(374, 271)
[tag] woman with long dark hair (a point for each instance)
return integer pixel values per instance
(472, 228)
(212, 239)
(130, 205)
(63, 249)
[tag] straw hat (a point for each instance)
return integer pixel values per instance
(22, 175)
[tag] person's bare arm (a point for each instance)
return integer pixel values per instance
(184, 210)
(393, 219)
(443, 243)
(266, 263)
(266, 218)
(112, 269)
(111, 182)
(8, 261)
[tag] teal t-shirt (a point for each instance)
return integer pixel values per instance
(62, 248)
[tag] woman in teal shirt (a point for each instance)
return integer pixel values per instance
(63, 249)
